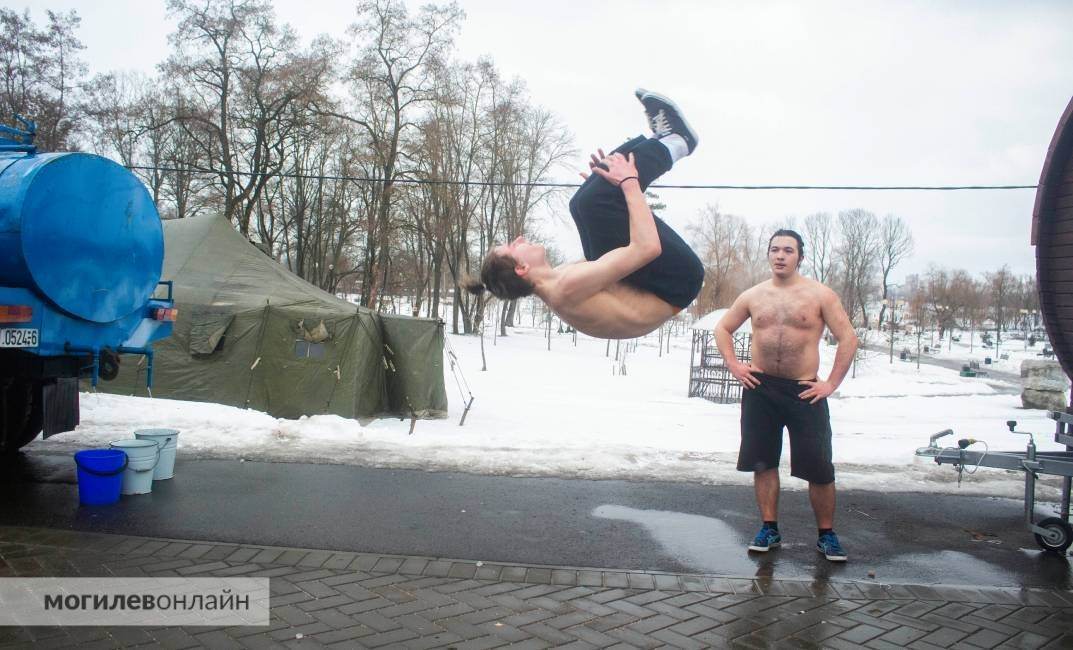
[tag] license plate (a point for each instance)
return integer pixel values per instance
(18, 338)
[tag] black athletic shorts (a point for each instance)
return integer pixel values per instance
(775, 404)
(603, 223)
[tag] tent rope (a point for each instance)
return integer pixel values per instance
(460, 379)
(456, 370)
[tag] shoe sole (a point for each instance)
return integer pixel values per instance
(832, 558)
(667, 100)
(764, 549)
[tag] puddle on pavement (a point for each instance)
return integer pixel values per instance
(1056, 568)
(701, 544)
(952, 568)
(709, 545)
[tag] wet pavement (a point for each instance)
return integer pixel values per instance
(679, 527)
(645, 546)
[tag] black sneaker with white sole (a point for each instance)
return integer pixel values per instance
(665, 118)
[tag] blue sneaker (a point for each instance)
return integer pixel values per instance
(765, 540)
(830, 548)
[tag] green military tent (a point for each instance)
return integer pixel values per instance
(252, 334)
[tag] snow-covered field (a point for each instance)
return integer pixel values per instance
(571, 412)
(1015, 350)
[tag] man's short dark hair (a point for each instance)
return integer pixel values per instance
(786, 232)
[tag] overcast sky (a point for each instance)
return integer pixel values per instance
(831, 93)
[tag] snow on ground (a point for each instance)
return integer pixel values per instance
(1014, 349)
(570, 412)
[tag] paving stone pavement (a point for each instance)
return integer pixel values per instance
(355, 600)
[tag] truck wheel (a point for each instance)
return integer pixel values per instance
(21, 414)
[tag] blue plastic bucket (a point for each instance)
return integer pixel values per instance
(166, 440)
(100, 475)
(143, 456)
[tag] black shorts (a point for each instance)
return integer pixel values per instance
(603, 222)
(775, 404)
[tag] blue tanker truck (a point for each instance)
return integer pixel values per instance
(81, 250)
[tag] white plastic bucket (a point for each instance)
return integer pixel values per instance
(166, 439)
(142, 458)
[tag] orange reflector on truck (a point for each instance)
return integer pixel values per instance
(165, 314)
(16, 313)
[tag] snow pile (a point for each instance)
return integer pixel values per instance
(571, 412)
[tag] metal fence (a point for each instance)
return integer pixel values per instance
(709, 376)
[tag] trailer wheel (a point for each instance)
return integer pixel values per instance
(1059, 535)
(21, 414)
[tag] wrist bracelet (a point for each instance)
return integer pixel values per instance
(628, 178)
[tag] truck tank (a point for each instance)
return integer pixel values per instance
(81, 251)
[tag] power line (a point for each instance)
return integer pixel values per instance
(426, 181)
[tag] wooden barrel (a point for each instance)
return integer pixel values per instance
(1052, 235)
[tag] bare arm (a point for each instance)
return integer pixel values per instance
(834, 315)
(644, 237)
(724, 340)
(836, 319)
(583, 280)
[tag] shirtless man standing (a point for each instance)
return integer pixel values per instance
(781, 387)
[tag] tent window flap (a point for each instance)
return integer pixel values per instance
(207, 333)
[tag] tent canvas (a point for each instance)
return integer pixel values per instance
(250, 333)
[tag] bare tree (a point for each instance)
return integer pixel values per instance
(306, 204)
(857, 259)
(462, 115)
(180, 157)
(315, 167)
(895, 245)
(1003, 290)
(242, 73)
(40, 73)
(536, 144)
(127, 116)
(111, 105)
(918, 313)
(389, 78)
(1025, 303)
(1031, 292)
(976, 308)
(942, 299)
(452, 146)
(724, 243)
(820, 236)
(522, 145)
(962, 297)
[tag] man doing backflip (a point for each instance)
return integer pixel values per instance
(637, 272)
(782, 388)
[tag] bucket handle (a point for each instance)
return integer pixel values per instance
(95, 472)
(155, 462)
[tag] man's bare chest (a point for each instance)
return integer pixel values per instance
(775, 311)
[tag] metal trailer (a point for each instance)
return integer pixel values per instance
(1052, 533)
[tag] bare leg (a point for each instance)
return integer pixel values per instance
(766, 484)
(822, 497)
